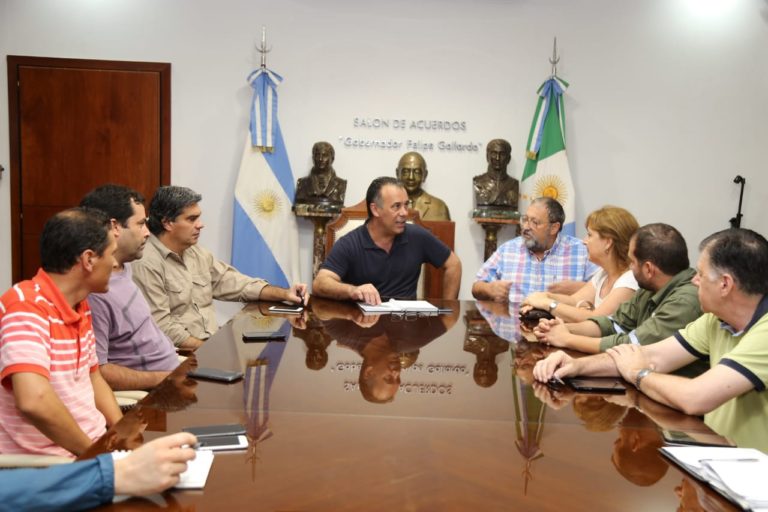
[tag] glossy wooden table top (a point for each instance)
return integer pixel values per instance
(459, 427)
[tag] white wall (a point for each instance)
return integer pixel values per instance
(665, 107)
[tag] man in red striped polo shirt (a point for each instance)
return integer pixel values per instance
(53, 400)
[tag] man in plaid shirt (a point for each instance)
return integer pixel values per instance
(532, 262)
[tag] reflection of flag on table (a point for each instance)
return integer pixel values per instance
(546, 170)
(259, 375)
(529, 413)
(265, 239)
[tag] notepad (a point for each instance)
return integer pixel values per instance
(197, 469)
(399, 306)
(736, 473)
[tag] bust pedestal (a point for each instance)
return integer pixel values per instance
(320, 214)
(492, 218)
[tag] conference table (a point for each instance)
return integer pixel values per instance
(408, 412)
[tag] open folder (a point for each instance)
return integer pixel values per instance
(739, 474)
(399, 306)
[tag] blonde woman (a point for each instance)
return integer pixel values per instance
(608, 232)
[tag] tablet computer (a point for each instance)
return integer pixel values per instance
(234, 429)
(604, 385)
(219, 443)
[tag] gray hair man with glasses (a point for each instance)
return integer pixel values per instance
(538, 258)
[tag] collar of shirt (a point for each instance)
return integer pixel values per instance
(368, 242)
(678, 279)
(164, 251)
(760, 312)
(51, 292)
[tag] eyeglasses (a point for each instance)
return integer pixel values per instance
(535, 223)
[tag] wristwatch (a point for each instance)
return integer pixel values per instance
(553, 305)
(641, 375)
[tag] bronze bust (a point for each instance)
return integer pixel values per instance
(495, 187)
(412, 171)
(322, 186)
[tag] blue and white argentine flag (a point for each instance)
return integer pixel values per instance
(265, 239)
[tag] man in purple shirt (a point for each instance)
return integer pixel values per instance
(133, 352)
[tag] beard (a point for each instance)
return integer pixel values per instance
(534, 245)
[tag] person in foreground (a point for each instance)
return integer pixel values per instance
(133, 352)
(53, 399)
(732, 284)
(532, 262)
(668, 299)
(609, 231)
(383, 257)
(150, 469)
(180, 279)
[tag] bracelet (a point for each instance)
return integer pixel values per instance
(641, 375)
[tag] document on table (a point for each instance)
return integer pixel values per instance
(399, 306)
(737, 473)
(197, 469)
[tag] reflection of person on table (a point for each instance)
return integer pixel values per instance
(609, 230)
(732, 285)
(540, 257)
(485, 348)
(502, 318)
(312, 333)
(386, 347)
(383, 257)
(666, 302)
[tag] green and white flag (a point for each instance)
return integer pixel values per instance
(546, 170)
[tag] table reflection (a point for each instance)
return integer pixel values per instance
(523, 440)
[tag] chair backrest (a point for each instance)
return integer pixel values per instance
(431, 278)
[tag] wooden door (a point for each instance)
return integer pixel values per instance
(76, 124)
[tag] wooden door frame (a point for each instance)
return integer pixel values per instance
(14, 126)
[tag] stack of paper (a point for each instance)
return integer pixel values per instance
(399, 306)
(736, 473)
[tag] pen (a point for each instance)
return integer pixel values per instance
(704, 461)
(558, 379)
(301, 296)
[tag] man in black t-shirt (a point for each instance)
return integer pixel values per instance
(383, 257)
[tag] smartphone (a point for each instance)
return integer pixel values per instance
(291, 310)
(257, 336)
(234, 429)
(215, 374)
(219, 443)
(604, 385)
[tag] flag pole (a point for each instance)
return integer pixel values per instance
(555, 59)
(262, 48)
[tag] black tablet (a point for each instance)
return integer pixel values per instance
(234, 429)
(604, 385)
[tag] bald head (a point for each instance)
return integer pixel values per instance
(412, 171)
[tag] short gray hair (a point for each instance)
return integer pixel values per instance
(167, 204)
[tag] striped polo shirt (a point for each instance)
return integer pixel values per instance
(40, 333)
